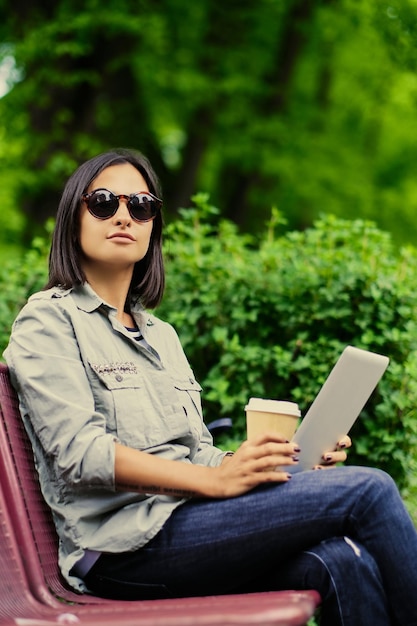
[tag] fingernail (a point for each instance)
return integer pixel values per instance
(341, 445)
(295, 457)
(297, 449)
(328, 457)
(289, 476)
(317, 467)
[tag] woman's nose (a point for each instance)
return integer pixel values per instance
(122, 215)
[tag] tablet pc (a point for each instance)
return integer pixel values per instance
(337, 405)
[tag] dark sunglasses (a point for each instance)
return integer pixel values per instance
(142, 206)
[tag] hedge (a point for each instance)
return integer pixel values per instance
(268, 317)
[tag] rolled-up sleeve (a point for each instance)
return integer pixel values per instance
(207, 453)
(56, 400)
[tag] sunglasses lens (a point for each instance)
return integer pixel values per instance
(143, 207)
(102, 204)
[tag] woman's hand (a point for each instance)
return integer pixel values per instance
(257, 461)
(252, 464)
(338, 455)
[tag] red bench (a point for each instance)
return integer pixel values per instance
(31, 585)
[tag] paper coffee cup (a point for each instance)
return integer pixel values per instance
(264, 415)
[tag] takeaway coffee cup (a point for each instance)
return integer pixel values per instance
(271, 415)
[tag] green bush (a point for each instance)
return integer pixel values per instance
(19, 278)
(269, 318)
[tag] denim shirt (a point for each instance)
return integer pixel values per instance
(85, 383)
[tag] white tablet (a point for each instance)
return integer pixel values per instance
(338, 404)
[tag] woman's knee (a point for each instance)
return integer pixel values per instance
(376, 485)
(363, 482)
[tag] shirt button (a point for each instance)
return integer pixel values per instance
(119, 378)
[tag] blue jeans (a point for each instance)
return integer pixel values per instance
(344, 532)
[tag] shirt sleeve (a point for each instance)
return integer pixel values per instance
(56, 401)
(207, 453)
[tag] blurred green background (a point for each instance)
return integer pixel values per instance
(306, 105)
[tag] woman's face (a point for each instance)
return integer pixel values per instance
(119, 241)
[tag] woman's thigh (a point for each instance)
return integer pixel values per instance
(217, 546)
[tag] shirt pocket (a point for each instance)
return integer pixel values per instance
(190, 390)
(119, 391)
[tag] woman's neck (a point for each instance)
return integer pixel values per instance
(113, 288)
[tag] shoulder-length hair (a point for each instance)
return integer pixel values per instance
(65, 268)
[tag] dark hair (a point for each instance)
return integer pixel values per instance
(148, 278)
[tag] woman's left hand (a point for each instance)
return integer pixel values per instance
(338, 455)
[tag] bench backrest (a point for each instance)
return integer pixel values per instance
(31, 516)
(15, 596)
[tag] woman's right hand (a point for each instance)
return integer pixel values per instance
(257, 461)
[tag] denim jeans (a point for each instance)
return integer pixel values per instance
(343, 531)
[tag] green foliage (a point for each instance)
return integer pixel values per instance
(19, 278)
(269, 317)
(310, 105)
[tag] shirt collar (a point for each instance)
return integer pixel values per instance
(87, 300)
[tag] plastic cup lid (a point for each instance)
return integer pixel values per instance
(273, 406)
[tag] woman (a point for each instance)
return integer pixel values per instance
(144, 505)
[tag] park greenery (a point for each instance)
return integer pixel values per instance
(308, 105)
(288, 129)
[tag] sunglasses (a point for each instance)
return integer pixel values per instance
(103, 204)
